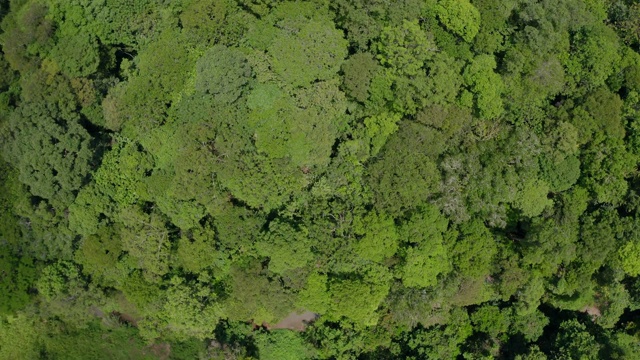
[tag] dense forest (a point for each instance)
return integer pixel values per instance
(323, 179)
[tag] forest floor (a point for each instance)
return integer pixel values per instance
(592, 310)
(161, 350)
(296, 321)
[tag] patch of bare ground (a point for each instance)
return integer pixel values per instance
(96, 311)
(592, 310)
(161, 350)
(125, 318)
(296, 321)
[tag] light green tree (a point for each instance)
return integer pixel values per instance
(50, 149)
(532, 198)
(198, 251)
(222, 72)
(19, 337)
(573, 341)
(311, 50)
(427, 256)
(630, 256)
(146, 239)
(315, 296)
(474, 249)
(359, 70)
(405, 48)
(379, 239)
(459, 17)
(282, 345)
(77, 55)
(357, 301)
(486, 85)
(286, 247)
(189, 310)
(378, 128)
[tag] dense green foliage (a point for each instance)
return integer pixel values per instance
(429, 179)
